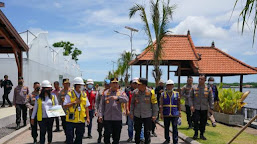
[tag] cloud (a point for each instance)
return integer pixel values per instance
(200, 27)
(250, 53)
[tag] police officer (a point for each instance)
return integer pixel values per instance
(19, 101)
(170, 111)
(7, 84)
(111, 110)
(215, 94)
(185, 92)
(200, 100)
(30, 102)
(77, 104)
(44, 101)
(100, 125)
(143, 109)
(91, 94)
(61, 98)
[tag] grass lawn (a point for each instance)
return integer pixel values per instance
(220, 134)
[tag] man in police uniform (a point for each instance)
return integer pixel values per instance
(30, 102)
(170, 111)
(143, 109)
(185, 92)
(76, 103)
(97, 104)
(200, 100)
(61, 98)
(19, 101)
(7, 84)
(111, 110)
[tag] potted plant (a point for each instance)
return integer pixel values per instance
(230, 104)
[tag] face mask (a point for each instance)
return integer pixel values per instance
(211, 82)
(37, 89)
(81, 88)
(90, 86)
(20, 83)
(169, 90)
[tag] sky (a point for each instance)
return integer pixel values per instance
(90, 25)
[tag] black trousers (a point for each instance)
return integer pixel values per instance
(46, 125)
(5, 97)
(147, 122)
(153, 126)
(189, 115)
(79, 129)
(91, 116)
(21, 109)
(63, 118)
(100, 127)
(57, 123)
(174, 122)
(200, 115)
(114, 128)
(34, 129)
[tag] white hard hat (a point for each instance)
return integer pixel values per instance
(46, 83)
(90, 81)
(78, 80)
(169, 82)
(135, 79)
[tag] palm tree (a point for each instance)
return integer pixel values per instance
(249, 9)
(160, 17)
(123, 65)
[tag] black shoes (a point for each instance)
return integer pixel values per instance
(56, 130)
(166, 142)
(202, 137)
(154, 134)
(195, 137)
(24, 124)
(89, 137)
(214, 124)
(18, 126)
(2, 105)
(129, 140)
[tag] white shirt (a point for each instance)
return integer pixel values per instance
(67, 99)
(46, 104)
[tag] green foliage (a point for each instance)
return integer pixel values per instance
(123, 65)
(161, 14)
(68, 49)
(230, 100)
(250, 8)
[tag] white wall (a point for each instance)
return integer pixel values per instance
(44, 62)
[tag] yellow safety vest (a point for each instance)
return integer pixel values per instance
(153, 97)
(39, 108)
(79, 116)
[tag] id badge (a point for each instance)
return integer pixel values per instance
(79, 109)
(71, 116)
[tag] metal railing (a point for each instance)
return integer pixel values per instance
(249, 113)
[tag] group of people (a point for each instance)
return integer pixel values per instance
(142, 105)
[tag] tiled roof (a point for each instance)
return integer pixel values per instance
(175, 47)
(214, 61)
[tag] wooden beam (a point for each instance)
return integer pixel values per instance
(20, 71)
(14, 48)
(168, 72)
(185, 68)
(241, 83)
(140, 70)
(221, 79)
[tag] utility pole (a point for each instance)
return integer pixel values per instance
(131, 38)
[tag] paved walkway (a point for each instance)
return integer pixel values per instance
(7, 111)
(58, 137)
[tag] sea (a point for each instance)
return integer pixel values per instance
(251, 100)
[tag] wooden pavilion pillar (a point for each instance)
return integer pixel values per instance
(140, 70)
(179, 74)
(221, 79)
(146, 72)
(241, 83)
(168, 72)
(20, 69)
